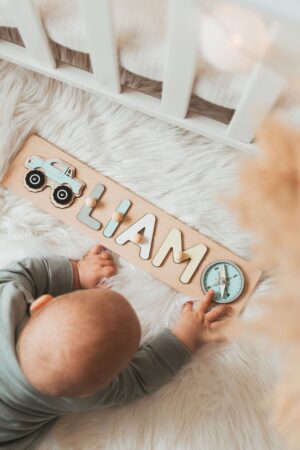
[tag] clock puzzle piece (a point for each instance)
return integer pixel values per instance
(127, 224)
(225, 278)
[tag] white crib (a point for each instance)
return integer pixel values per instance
(264, 86)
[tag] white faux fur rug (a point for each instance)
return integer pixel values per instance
(214, 403)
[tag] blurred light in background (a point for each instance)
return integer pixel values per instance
(232, 38)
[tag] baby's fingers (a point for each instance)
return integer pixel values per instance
(205, 303)
(105, 255)
(104, 263)
(105, 269)
(109, 271)
(217, 326)
(217, 313)
(98, 248)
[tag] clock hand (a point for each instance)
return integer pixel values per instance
(233, 276)
(217, 283)
(222, 280)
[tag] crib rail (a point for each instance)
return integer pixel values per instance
(287, 10)
(263, 89)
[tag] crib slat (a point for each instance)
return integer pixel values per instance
(262, 91)
(267, 81)
(102, 43)
(130, 98)
(181, 58)
(32, 31)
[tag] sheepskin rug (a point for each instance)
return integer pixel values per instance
(218, 401)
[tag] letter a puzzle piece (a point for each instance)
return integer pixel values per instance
(146, 224)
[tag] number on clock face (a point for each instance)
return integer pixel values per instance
(225, 278)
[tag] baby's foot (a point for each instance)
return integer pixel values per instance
(95, 266)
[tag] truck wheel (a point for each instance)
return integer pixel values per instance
(35, 180)
(62, 196)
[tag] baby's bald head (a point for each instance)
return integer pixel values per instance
(78, 342)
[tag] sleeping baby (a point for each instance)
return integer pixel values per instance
(68, 344)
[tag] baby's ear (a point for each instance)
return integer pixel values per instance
(40, 302)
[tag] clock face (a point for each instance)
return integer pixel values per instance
(225, 278)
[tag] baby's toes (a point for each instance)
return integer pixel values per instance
(217, 313)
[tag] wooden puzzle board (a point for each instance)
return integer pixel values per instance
(169, 272)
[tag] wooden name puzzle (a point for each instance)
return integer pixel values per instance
(129, 225)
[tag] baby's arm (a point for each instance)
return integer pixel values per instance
(161, 357)
(152, 366)
(30, 278)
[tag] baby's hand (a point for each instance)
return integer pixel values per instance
(92, 268)
(194, 324)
